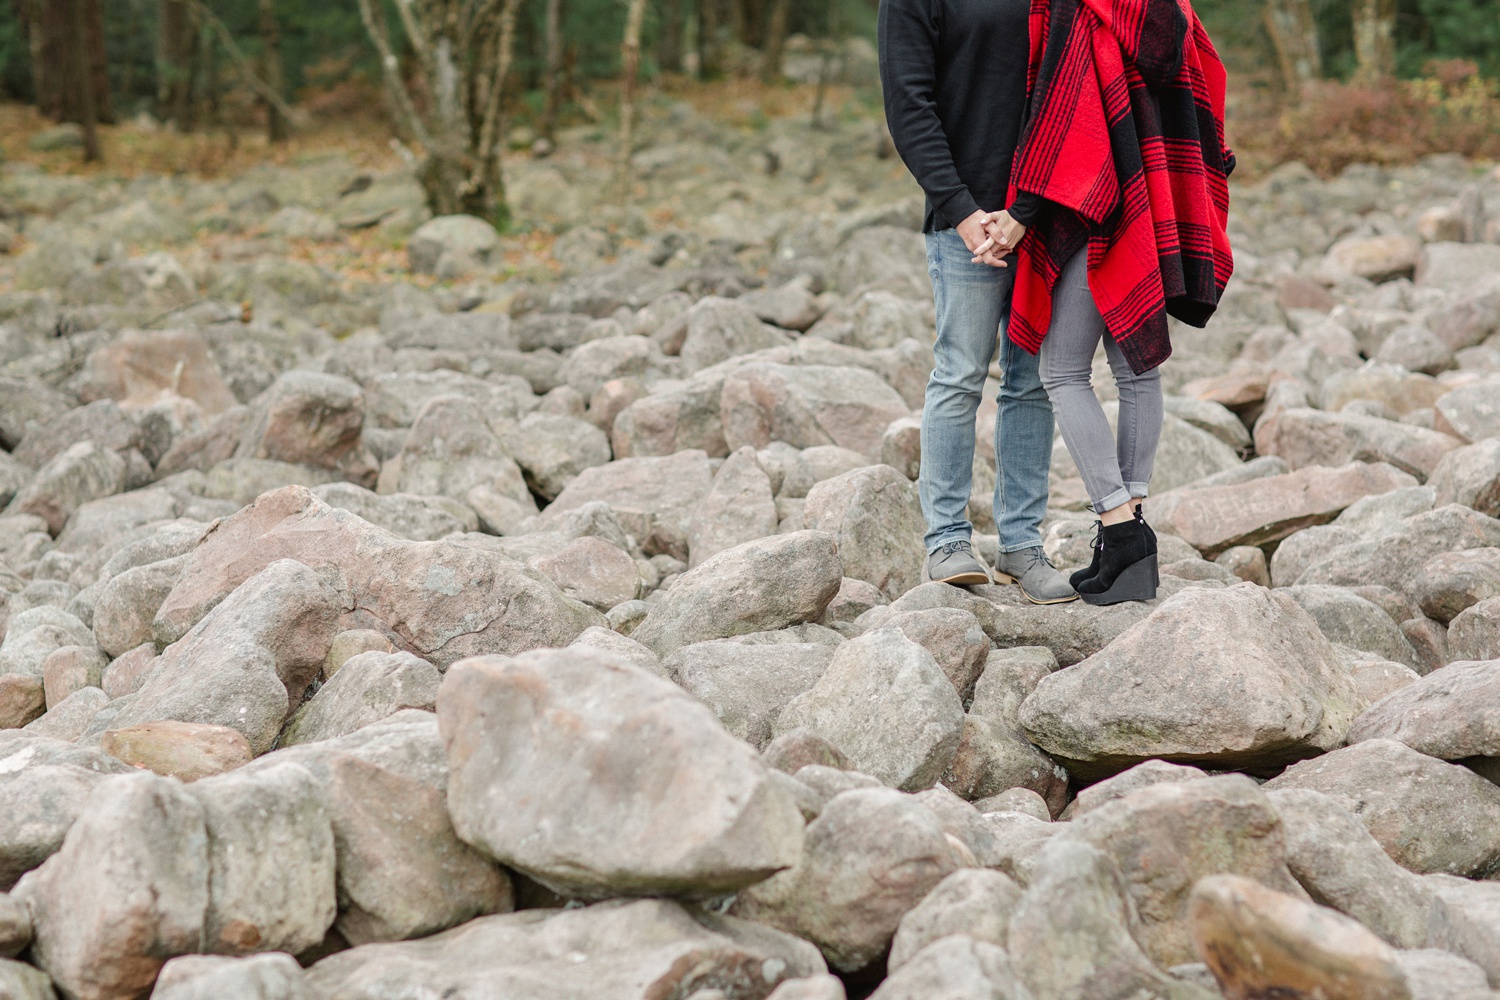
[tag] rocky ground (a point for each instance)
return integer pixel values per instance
(544, 626)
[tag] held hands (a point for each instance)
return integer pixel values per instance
(1002, 235)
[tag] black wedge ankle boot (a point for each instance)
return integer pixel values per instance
(1092, 569)
(1150, 547)
(1127, 566)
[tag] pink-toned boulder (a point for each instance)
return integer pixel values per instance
(1216, 518)
(441, 600)
(142, 366)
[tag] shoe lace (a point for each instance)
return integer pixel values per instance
(1036, 555)
(951, 547)
(1097, 545)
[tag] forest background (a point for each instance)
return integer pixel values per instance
(468, 82)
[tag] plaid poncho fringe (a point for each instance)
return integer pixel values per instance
(1125, 131)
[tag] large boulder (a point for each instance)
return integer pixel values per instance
(766, 584)
(956, 967)
(1430, 816)
(1391, 557)
(247, 663)
(976, 902)
(314, 419)
(402, 871)
(719, 329)
(1451, 714)
(1312, 437)
(748, 684)
(808, 405)
(1163, 838)
(440, 600)
(617, 950)
(875, 516)
(1238, 678)
(128, 889)
(552, 741)
(451, 246)
(870, 856)
(1070, 935)
(885, 704)
(1259, 942)
(1470, 476)
(739, 508)
(1335, 859)
(1261, 511)
(44, 784)
(647, 494)
(270, 861)
(82, 473)
(451, 451)
(143, 366)
(1349, 620)
(1475, 634)
(367, 688)
(274, 976)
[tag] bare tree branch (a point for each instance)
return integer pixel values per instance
(266, 92)
(391, 69)
(505, 46)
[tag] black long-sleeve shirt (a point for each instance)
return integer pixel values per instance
(954, 76)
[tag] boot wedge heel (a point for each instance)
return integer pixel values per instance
(1137, 582)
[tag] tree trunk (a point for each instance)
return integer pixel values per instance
(177, 43)
(53, 31)
(1295, 36)
(554, 68)
(770, 69)
(1375, 38)
(670, 38)
(270, 55)
(710, 52)
(630, 62)
(83, 80)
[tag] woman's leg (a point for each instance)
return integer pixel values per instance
(1066, 362)
(1140, 421)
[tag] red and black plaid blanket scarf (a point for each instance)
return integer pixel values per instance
(1125, 131)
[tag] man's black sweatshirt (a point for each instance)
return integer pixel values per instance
(954, 76)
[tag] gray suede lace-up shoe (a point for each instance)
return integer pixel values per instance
(1040, 582)
(955, 563)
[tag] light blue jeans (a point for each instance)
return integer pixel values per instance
(973, 305)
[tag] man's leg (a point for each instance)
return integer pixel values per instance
(970, 300)
(1023, 458)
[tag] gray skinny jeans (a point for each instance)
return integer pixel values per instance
(1113, 471)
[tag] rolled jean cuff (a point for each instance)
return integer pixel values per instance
(957, 536)
(1118, 498)
(1138, 491)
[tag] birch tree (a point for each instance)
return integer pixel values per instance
(1375, 38)
(462, 53)
(1294, 33)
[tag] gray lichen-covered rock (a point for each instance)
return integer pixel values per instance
(1451, 714)
(874, 515)
(553, 741)
(1429, 815)
(747, 685)
(367, 688)
(128, 890)
(273, 976)
(1277, 691)
(614, 950)
(270, 861)
(766, 584)
(976, 902)
(885, 703)
(870, 856)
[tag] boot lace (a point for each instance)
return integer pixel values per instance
(951, 547)
(1036, 555)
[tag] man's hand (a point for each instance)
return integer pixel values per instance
(1003, 234)
(979, 242)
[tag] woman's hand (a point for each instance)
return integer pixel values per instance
(975, 234)
(1005, 232)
